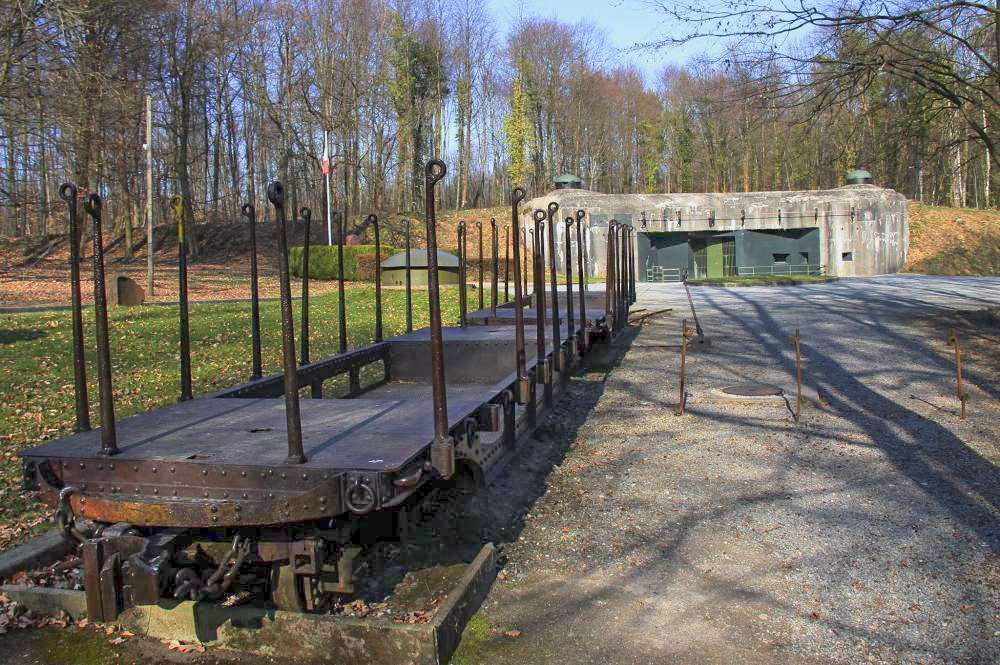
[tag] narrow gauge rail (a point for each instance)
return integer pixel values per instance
(184, 499)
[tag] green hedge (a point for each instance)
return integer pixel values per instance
(323, 261)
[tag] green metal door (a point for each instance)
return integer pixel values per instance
(715, 261)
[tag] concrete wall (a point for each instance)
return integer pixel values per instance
(868, 223)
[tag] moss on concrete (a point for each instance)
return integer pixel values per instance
(471, 650)
(420, 588)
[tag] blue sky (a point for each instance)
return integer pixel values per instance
(626, 22)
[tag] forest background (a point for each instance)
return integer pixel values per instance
(242, 92)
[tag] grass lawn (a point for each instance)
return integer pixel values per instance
(36, 369)
(761, 280)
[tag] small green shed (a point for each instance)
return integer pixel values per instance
(394, 268)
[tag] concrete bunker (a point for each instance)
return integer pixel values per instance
(860, 229)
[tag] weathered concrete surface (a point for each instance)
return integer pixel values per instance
(307, 638)
(48, 601)
(868, 532)
(868, 221)
(321, 638)
(463, 602)
(41, 551)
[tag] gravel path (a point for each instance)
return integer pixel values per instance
(867, 532)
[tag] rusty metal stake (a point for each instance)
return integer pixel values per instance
(609, 278)
(524, 252)
(953, 341)
(633, 249)
(697, 325)
(249, 212)
(523, 385)
(571, 324)
(68, 192)
(552, 221)
(506, 263)
(795, 340)
(583, 281)
(293, 421)
(182, 296)
(462, 286)
(620, 274)
(531, 232)
(493, 279)
(682, 398)
(316, 388)
(306, 216)
(479, 225)
(580, 216)
(342, 307)
(539, 292)
(443, 448)
(409, 286)
(373, 220)
(109, 439)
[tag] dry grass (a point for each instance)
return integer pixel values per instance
(953, 241)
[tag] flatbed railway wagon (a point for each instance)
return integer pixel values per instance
(242, 488)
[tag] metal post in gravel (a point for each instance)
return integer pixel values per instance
(953, 341)
(798, 374)
(685, 333)
(697, 325)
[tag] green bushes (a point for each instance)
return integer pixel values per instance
(359, 261)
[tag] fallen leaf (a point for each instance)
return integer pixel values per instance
(512, 633)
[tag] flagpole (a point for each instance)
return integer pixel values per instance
(326, 179)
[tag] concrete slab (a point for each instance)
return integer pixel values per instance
(48, 601)
(311, 638)
(41, 551)
(322, 638)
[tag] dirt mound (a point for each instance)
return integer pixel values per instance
(953, 241)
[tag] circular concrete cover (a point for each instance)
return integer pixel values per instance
(753, 390)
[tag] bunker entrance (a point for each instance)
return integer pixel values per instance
(665, 257)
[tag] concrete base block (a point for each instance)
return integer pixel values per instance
(321, 638)
(41, 551)
(310, 638)
(48, 601)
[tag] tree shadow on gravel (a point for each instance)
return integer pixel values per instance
(938, 462)
(959, 479)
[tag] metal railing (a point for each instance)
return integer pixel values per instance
(661, 274)
(781, 269)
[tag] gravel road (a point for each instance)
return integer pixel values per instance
(866, 532)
